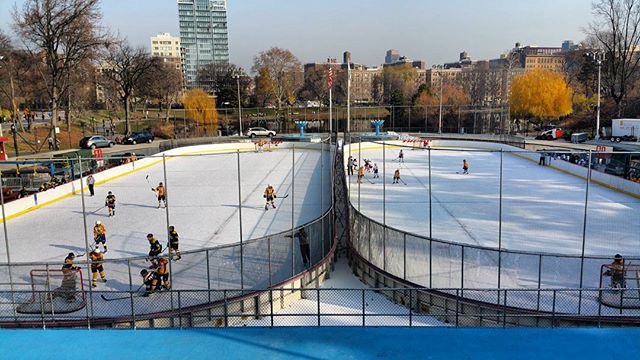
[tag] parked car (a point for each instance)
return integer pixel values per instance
(95, 141)
(139, 138)
(259, 131)
(228, 131)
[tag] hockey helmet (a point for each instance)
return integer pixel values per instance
(71, 255)
(143, 272)
(98, 222)
(618, 257)
(109, 193)
(269, 185)
(149, 236)
(171, 228)
(160, 183)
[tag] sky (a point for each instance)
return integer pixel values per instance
(428, 30)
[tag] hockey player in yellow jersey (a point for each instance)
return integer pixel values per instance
(270, 195)
(100, 235)
(97, 261)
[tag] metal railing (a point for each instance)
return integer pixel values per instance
(332, 307)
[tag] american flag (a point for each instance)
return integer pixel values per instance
(330, 78)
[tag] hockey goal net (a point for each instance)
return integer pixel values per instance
(54, 292)
(625, 287)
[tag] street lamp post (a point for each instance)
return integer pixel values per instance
(597, 57)
(239, 106)
(440, 112)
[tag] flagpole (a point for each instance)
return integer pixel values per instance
(330, 113)
(349, 98)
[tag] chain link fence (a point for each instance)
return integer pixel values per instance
(506, 225)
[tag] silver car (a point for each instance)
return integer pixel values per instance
(259, 131)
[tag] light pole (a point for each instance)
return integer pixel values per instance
(440, 112)
(239, 105)
(597, 57)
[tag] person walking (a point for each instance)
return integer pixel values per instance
(91, 183)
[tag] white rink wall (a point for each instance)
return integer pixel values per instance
(610, 181)
(37, 200)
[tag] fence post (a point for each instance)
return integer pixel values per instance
(166, 211)
(363, 308)
(358, 169)
(500, 222)
(584, 231)
(293, 209)
(404, 255)
(240, 222)
(6, 244)
(208, 278)
(318, 302)
(410, 307)
(430, 199)
(89, 309)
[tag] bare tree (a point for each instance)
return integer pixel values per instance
(125, 68)
(163, 82)
(617, 30)
(284, 70)
(221, 80)
(64, 33)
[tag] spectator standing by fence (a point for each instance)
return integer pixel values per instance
(91, 183)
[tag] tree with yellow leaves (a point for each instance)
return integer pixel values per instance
(541, 95)
(201, 108)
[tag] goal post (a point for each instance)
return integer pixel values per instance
(624, 292)
(59, 291)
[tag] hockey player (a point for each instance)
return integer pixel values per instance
(150, 280)
(396, 176)
(68, 288)
(465, 167)
(110, 203)
(161, 268)
(260, 145)
(155, 248)
(97, 260)
(68, 262)
(100, 235)
(375, 171)
(173, 242)
(616, 271)
(161, 191)
(270, 195)
(349, 168)
(401, 157)
(360, 174)
(305, 251)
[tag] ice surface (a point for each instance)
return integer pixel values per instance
(542, 210)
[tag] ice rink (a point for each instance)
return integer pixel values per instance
(543, 209)
(203, 206)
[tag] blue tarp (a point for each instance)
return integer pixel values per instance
(322, 343)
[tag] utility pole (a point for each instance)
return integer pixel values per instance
(440, 114)
(239, 105)
(597, 57)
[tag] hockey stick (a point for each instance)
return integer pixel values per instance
(148, 183)
(371, 182)
(284, 197)
(402, 181)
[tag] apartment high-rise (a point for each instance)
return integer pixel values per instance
(203, 35)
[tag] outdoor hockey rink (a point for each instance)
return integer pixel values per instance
(542, 211)
(202, 193)
(543, 217)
